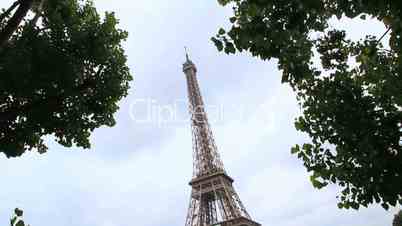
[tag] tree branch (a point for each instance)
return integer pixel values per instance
(15, 20)
(386, 32)
(9, 10)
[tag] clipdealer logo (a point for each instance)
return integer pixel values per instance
(151, 111)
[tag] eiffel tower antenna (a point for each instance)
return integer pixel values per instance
(186, 51)
(213, 201)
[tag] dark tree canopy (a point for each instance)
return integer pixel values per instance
(62, 73)
(351, 111)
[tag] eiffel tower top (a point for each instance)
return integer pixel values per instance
(188, 64)
(185, 50)
(205, 153)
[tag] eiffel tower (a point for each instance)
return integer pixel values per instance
(214, 201)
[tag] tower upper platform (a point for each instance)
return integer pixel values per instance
(188, 64)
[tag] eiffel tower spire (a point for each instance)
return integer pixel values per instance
(213, 201)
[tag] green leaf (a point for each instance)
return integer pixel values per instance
(217, 43)
(295, 149)
(232, 19)
(224, 2)
(229, 48)
(221, 31)
(316, 183)
(307, 146)
(355, 205)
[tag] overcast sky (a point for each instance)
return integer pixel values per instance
(137, 172)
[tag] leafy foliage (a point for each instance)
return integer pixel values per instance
(397, 219)
(351, 111)
(16, 220)
(61, 76)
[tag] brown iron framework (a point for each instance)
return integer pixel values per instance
(213, 201)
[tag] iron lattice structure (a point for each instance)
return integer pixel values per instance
(214, 201)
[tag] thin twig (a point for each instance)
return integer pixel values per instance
(379, 40)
